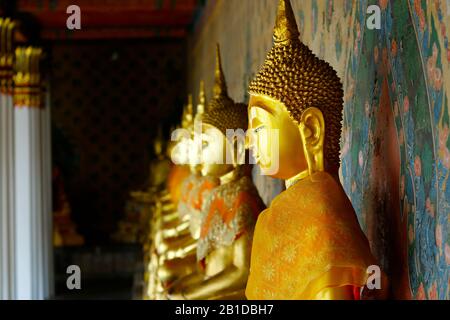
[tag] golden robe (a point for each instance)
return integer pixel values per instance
(194, 191)
(230, 211)
(308, 241)
(175, 180)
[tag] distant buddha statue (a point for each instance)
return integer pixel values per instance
(179, 154)
(230, 211)
(197, 187)
(160, 166)
(169, 251)
(162, 209)
(180, 259)
(308, 243)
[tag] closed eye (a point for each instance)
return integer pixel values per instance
(259, 129)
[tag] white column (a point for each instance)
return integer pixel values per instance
(32, 180)
(7, 223)
(31, 193)
(25, 188)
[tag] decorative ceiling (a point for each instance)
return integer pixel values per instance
(110, 19)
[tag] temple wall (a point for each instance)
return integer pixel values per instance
(395, 141)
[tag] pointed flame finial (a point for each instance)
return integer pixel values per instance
(220, 86)
(201, 99)
(188, 114)
(190, 106)
(286, 28)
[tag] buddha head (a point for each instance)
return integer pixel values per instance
(195, 143)
(295, 107)
(182, 136)
(223, 124)
(158, 144)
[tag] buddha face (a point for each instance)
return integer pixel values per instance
(214, 151)
(180, 152)
(195, 155)
(158, 147)
(275, 139)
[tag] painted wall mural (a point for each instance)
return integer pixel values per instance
(395, 141)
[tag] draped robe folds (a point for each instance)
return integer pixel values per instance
(229, 212)
(308, 240)
(177, 175)
(194, 191)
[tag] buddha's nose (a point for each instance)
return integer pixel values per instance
(249, 140)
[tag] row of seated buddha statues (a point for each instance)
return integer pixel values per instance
(169, 231)
(167, 251)
(202, 251)
(215, 239)
(163, 214)
(223, 207)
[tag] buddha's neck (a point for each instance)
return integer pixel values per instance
(302, 175)
(230, 176)
(195, 170)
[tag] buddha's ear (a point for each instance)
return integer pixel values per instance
(312, 129)
(238, 144)
(312, 132)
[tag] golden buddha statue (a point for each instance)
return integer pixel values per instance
(196, 188)
(171, 236)
(170, 224)
(160, 166)
(308, 243)
(158, 197)
(230, 211)
(179, 257)
(160, 169)
(179, 154)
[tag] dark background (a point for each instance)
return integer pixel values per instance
(108, 98)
